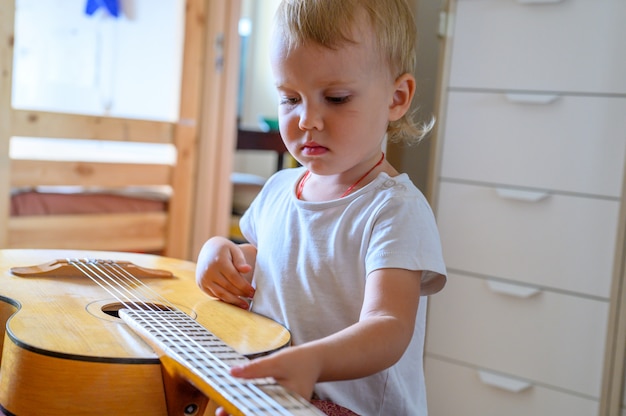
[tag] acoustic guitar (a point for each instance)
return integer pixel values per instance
(104, 333)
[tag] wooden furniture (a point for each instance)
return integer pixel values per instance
(529, 181)
(203, 136)
(260, 140)
(247, 186)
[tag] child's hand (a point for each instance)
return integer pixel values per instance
(295, 368)
(224, 272)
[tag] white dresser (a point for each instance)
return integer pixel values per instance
(529, 175)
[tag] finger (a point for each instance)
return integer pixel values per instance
(240, 262)
(235, 273)
(236, 283)
(220, 412)
(227, 294)
(222, 276)
(258, 368)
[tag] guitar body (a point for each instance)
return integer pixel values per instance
(63, 354)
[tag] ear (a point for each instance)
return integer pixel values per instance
(404, 90)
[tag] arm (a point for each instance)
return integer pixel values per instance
(225, 269)
(371, 345)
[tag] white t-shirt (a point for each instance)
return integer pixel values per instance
(312, 263)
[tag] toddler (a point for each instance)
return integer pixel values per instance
(343, 250)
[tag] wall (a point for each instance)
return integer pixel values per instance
(258, 95)
(67, 61)
(415, 159)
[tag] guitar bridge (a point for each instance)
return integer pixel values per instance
(74, 268)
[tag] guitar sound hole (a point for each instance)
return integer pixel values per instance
(113, 309)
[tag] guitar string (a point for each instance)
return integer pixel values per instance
(113, 287)
(233, 391)
(121, 277)
(95, 272)
(101, 274)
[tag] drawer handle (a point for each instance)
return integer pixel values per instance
(531, 98)
(501, 382)
(522, 292)
(538, 1)
(519, 195)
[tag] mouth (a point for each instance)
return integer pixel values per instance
(312, 149)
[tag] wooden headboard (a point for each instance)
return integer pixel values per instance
(204, 138)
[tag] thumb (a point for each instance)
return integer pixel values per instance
(239, 261)
(252, 369)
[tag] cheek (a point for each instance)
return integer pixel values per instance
(359, 124)
(289, 130)
(288, 124)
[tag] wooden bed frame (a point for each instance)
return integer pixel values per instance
(204, 137)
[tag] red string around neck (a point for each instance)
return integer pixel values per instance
(307, 174)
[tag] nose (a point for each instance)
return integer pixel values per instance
(310, 117)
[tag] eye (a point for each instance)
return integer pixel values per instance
(338, 99)
(289, 100)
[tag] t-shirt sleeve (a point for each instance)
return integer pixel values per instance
(404, 235)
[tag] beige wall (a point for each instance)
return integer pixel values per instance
(260, 97)
(414, 160)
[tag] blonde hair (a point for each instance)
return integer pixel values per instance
(329, 23)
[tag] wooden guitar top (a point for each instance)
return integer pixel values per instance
(64, 316)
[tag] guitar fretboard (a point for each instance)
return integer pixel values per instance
(176, 335)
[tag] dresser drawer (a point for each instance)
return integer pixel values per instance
(551, 240)
(572, 45)
(551, 338)
(457, 390)
(566, 143)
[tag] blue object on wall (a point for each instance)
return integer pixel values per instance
(112, 6)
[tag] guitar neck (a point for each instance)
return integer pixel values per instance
(205, 360)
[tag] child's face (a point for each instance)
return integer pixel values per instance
(334, 104)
